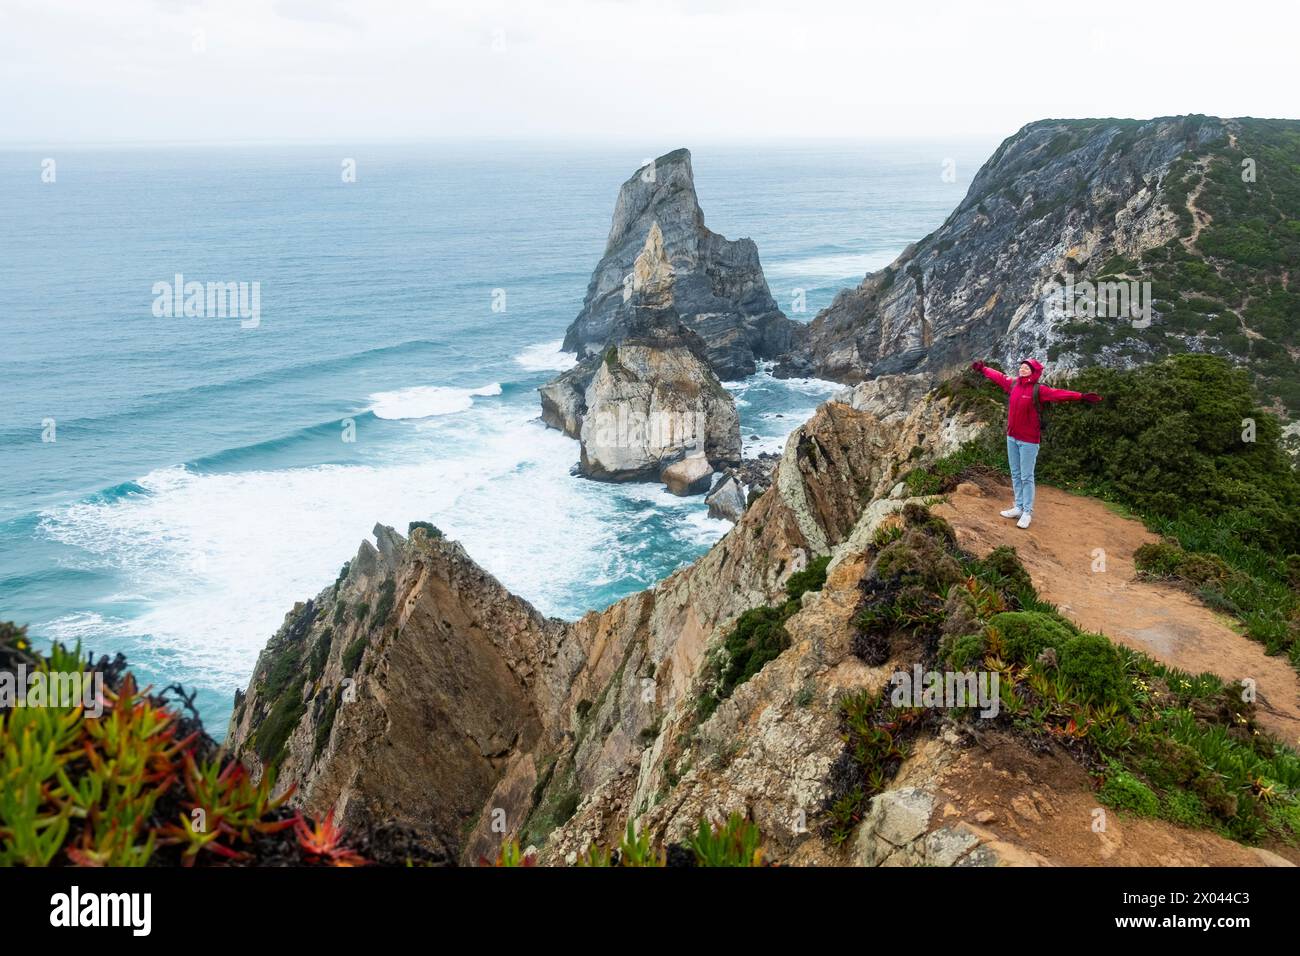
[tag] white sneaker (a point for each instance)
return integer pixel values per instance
(1011, 513)
(1024, 520)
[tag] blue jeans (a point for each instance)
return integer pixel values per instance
(1022, 455)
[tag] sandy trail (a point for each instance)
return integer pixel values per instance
(1060, 549)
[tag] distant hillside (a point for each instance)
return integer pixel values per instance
(1206, 210)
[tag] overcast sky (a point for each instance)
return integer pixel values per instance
(95, 71)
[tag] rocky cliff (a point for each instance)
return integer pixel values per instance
(417, 689)
(715, 285)
(418, 692)
(1196, 206)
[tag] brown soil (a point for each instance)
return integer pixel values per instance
(1040, 809)
(1059, 550)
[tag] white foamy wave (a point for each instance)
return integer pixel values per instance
(812, 386)
(763, 378)
(85, 627)
(425, 401)
(546, 357)
(702, 530)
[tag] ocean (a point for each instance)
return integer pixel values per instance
(171, 485)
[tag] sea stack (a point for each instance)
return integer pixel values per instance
(672, 310)
(718, 288)
(653, 409)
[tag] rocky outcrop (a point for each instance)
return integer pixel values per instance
(652, 406)
(691, 476)
(1059, 199)
(564, 398)
(418, 689)
(727, 499)
(416, 665)
(715, 285)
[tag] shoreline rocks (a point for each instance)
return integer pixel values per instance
(727, 499)
(691, 476)
(649, 408)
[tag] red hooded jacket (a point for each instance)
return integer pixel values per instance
(1022, 417)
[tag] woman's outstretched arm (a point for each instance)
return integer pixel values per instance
(1048, 394)
(993, 375)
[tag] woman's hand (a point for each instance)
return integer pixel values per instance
(977, 365)
(1092, 398)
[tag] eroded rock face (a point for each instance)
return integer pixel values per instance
(415, 644)
(648, 407)
(564, 398)
(449, 704)
(727, 499)
(1057, 199)
(714, 284)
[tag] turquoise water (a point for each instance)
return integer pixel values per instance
(199, 482)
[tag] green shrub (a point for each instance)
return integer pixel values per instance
(284, 668)
(566, 806)
(353, 654)
(1093, 666)
(1123, 791)
(1160, 558)
(1001, 568)
(917, 558)
(1200, 569)
(758, 637)
(812, 578)
(1185, 809)
(966, 651)
(384, 606)
(429, 529)
(325, 726)
(320, 654)
(285, 714)
(1026, 634)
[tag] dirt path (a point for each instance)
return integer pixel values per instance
(1060, 549)
(1200, 218)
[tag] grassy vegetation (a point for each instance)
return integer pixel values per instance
(758, 637)
(432, 531)
(353, 653)
(320, 654)
(1240, 274)
(272, 734)
(384, 605)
